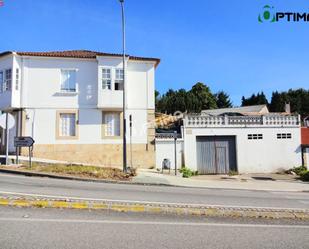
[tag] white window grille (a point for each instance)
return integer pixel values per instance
(68, 80)
(111, 122)
(67, 125)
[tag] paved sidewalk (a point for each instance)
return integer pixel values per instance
(246, 182)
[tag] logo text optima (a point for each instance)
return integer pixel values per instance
(268, 15)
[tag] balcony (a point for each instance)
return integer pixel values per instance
(271, 120)
(110, 99)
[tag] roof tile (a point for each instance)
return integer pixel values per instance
(83, 54)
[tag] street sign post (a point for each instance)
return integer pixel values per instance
(7, 122)
(24, 142)
(175, 148)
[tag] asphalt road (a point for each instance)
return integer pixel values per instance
(67, 188)
(72, 229)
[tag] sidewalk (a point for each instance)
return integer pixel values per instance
(246, 182)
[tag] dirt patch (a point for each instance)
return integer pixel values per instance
(92, 172)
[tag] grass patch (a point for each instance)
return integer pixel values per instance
(80, 171)
(186, 172)
(301, 171)
(233, 173)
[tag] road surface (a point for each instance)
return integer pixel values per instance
(29, 228)
(67, 188)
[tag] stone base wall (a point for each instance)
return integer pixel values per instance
(109, 155)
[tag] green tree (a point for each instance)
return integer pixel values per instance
(157, 99)
(223, 100)
(278, 100)
(259, 99)
(204, 98)
(298, 99)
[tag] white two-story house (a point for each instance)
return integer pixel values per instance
(70, 102)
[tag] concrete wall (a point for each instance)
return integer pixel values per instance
(41, 125)
(165, 148)
(253, 156)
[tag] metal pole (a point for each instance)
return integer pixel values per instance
(16, 155)
(131, 156)
(124, 88)
(30, 157)
(7, 139)
(175, 145)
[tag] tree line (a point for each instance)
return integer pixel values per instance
(200, 97)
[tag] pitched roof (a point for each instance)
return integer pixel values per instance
(83, 54)
(245, 110)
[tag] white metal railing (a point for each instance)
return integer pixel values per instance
(197, 120)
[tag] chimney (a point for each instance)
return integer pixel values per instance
(287, 108)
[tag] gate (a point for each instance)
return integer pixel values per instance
(216, 154)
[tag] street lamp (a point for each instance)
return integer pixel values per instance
(124, 132)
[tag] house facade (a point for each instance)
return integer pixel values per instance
(70, 102)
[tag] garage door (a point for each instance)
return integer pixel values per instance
(216, 154)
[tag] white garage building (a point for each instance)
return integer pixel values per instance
(245, 140)
(217, 142)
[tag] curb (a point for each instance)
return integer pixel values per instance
(156, 208)
(75, 178)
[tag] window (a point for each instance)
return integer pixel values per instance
(8, 80)
(111, 124)
(106, 79)
(17, 79)
(1, 82)
(255, 136)
(119, 79)
(68, 80)
(67, 125)
(284, 135)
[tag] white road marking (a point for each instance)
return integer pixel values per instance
(152, 223)
(304, 202)
(302, 198)
(145, 202)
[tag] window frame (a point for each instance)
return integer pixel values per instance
(102, 78)
(58, 114)
(104, 135)
(7, 87)
(119, 81)
(61, 80)
(2, 83)
(281, 136)
(17, 79)
(255, 136)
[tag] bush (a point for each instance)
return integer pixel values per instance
(304, 176)
(186, 173)
(299, 170)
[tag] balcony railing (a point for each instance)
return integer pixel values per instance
(197, 120)
(110, 99)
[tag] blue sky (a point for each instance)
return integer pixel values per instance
(217, 42)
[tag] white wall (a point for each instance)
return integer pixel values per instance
(253, 156)
(41, 97)
(165, 148)
(41, 124)
(42, 83)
